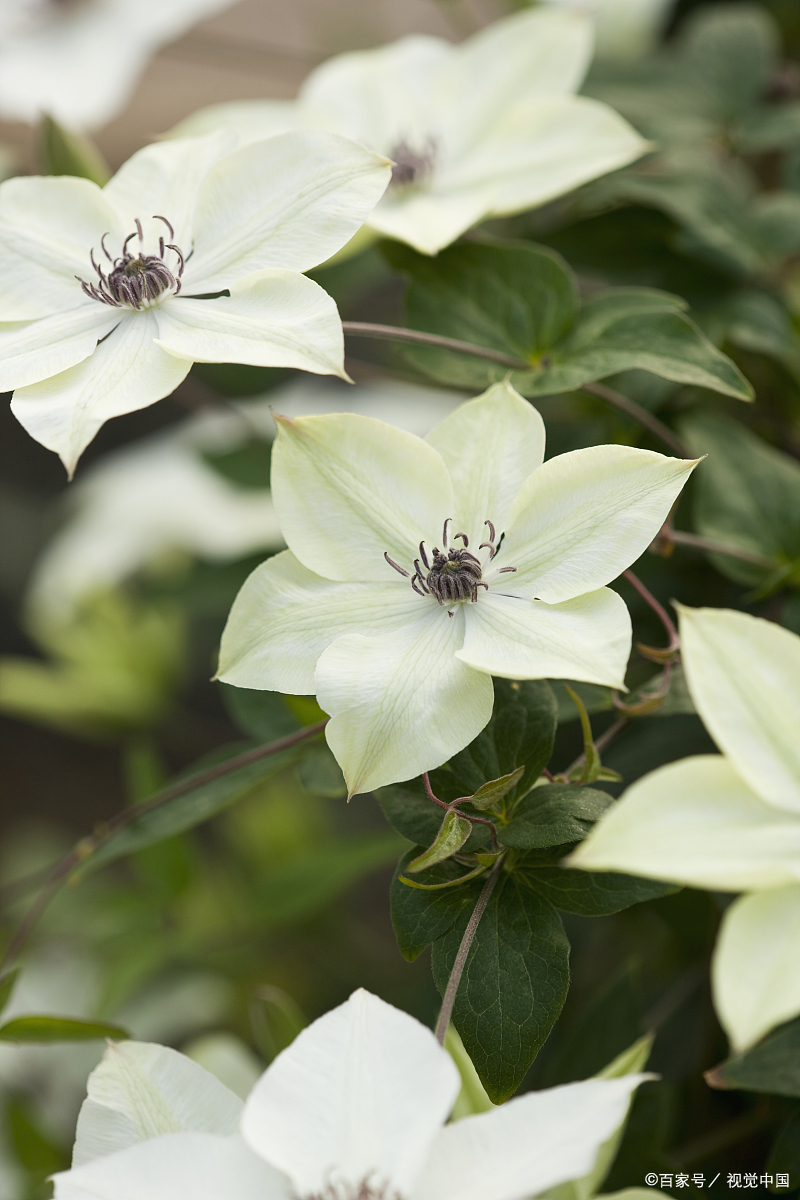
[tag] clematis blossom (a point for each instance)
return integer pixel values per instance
(624, 29)
(730, 822)
(354, 1109)
(479, 130)
(193, 252)
(79, 60)
(417, 569)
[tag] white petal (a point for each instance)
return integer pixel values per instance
(126, 372)
(291, 201)
(285, 616)
(744, 677)
(695, 822)
(542, 149)
(584, 517)
(358, 1095)
(402, 703)
(348, 488)
(82, 64)
(48, 228)
(251, 120)
(756, 968)
(588, 638)
(379, 97)
(200, 1166)
(272, 318)
(430, 218)
(163, 179)
(490, 446)
(35, 350)
(526, 1145)
(140, 1091)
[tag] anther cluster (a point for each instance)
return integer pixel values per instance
(136, 280)
(410, 165)
(452, 576)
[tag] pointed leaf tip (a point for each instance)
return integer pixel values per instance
(451, 837)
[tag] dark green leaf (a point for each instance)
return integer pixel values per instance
(263, 716)
(276, 1018)
(62, 152)
(592, 893)
(409, 811)
(553, 815)
(520, 734)
(733, 53)
(514, 982)
(451, 837)
(33, 1148)
(320, 774)
(771, 1066)
(419, 917)
(58, 1029)
(7, 985)
(246, 466)
(746, 493)
(784, 1157)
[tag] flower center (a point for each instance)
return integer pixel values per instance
(452, 575)
(410, 165)
(361, 1191)
(136, 280)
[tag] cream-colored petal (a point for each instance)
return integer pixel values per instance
(542, 149)
(141, 1090)
(272, 318)
(126, 372)
(530, 1143)
(380, 97)
(357, 1097)
(430, 218)
(584, 517)
(756, 968)
(291, 201)
(490, 446)
(35, 350)
(588, 638)
(402, 703)
(348, 488)
(533, 54)
(163, 179)
(202, 1166)
(285, 616)
(696, 822)
(744, 677)
(250, 120)
(48, 229)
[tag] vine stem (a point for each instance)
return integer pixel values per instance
(696, 541)
(398, 333)
(658, 609)
(87, 846)
(453, 982)
(451, 807)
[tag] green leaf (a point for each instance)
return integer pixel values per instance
(759, 322)
(496, 789)
(451, 837)
(246, 466)
(520, 734)
(514, 982)
(320, 774)
(409, 811)
(784, 1157)
(62, 152)
(472, 1098)
(521, 299)
(420, 917)
(746, 493)
(591, 893)
(276, 1019)
(553, 815)
(771, 1066)
(7, 985)
(733, 53)
(58, 1029)
(263, 716)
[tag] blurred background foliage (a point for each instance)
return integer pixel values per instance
(225, 927)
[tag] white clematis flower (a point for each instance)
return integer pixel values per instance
(479, 130)
(354, 1109)
(79, 60)
(189, 254)
(160, 497)
(730, 823)
(417, 569)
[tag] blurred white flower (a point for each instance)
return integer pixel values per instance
(190, 253)
(482, 129)
(729, 822)
(79, 60)
(623, 28)
(160, 495)
(354, 1107)
(404, 665)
